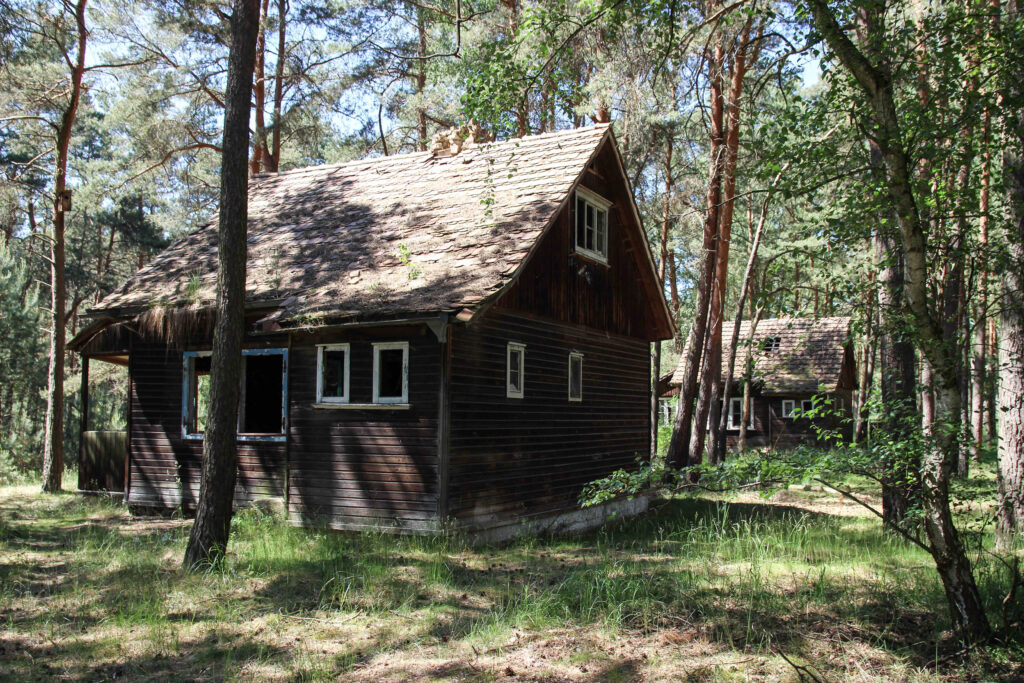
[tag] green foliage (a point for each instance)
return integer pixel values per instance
(22, 367)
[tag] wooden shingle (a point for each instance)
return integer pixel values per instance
(376, 238)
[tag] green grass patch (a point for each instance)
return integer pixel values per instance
(710, 589)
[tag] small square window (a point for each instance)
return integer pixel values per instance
(575, 376)
(806, 405)
(592, 225)
(391, 372)
(515, 370)
(332, 373)
(788, 407)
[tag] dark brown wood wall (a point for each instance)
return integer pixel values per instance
(510, 459)
(566, 287)
(353, 468)
(165, 467)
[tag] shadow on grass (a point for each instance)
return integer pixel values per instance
(706, 566)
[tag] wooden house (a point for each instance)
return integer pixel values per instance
(456, 338)
(799, 365)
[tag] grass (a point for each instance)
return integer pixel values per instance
(710, 589)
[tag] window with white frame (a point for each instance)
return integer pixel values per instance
(806, 405)
(391, 372)
(736, 413)
(332, 373)
(575, 376)
(788, 408)
(592, 225)
(515, 370)
(263, 401)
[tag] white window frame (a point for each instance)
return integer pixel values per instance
(391, 400)
(598, 203)
(803, 405)
(732, 401)
(320, 348)
(187, 397)
(574, 355)
(510, 390)
(788, 407)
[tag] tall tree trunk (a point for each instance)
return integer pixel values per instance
(682, 432)
(965, 605)
(710, 398)
(979, 347)
(866, 367)
(748, 373)
(666, 222)
(208, 539)
(53, 439)
(421, 79)
(898, 389)
(1010, 525)
(259, 146)
(718, 443)
(272, 159)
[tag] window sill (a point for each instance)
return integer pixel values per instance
(362, 406)
(244, 437)
(592, 256)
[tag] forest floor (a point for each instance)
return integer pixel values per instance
(738, 588)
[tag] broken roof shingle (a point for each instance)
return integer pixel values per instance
(808, 354)
(411, 233)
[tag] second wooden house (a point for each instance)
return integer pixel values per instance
(796, 364)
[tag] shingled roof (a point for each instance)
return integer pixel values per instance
(382, 237)
(809, 354)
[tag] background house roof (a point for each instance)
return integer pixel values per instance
(809, 353)
(404, 234)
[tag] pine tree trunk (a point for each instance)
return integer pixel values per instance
(259, 95)
(209, 536)
(421, 79)
(1010, 524)
(272, 161)
(53, 438)
(666, 222)
(867, 371)
(683, 430)
(899, 397)
(713, 348)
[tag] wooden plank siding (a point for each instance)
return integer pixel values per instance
(560, 285)
(513, 459)
(510, 458)
(164, 467)
(363, 468)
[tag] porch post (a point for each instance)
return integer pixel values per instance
(83, 473)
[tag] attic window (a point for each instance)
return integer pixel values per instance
(770, 344)
(592, 225)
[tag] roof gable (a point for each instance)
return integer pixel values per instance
(383, 237)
